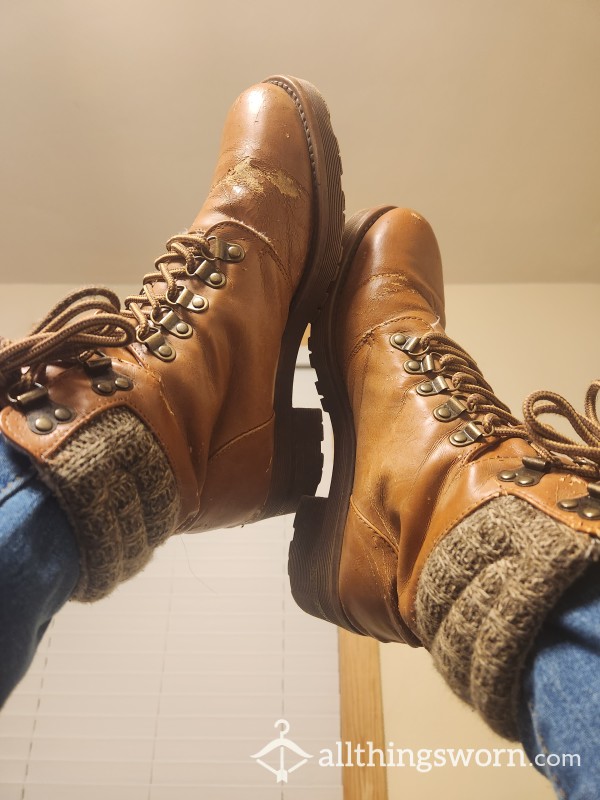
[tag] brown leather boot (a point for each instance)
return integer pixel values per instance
(444, 525)
(175, 414)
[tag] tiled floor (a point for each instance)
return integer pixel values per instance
(165, 690)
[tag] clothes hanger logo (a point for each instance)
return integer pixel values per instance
(286, 749)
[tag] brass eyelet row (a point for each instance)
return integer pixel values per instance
(533, 469)
(170, 322)
(532, 472)
(43, 414)
(454, 407)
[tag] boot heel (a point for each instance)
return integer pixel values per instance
(305, 567)
(298, 461)
(306, 458)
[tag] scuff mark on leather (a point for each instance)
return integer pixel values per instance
(286, 185)
(249, 175)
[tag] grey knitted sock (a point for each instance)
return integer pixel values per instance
(115, 483)
(484, 594)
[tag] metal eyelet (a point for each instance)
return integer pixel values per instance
(43, 415)
(588, 506)
(159, 346)
(408, 344)
(222, 251)
(414, 366)
(216, 280)
(175, 325)
(190, 301)
(105, 381)
(437, 386)
(227, 251)
(450, 410)
(530, 474)
(418, 366)
(467, 435)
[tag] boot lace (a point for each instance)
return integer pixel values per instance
(467, 379)
(495, 418)
(583, 457)
(183, 253)
(83, 321)
(90, 319)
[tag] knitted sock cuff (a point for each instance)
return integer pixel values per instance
(116, 485)
(485, 592)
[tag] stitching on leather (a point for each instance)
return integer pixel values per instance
(387, 580)
(375, 530)
(248, 228)
(103, 404)
(369, 335)
(363, 377)
(240, 437)
(373, 564)
(400, 318)
(378, 505)
(366, 338)
(300, 108)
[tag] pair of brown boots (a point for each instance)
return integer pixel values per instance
(449, 523)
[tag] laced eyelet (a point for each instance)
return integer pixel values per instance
(467, 435)
(408, 344)
(172, 299)
(20, 392)
(436, 386)
(172, 323)
(450, 410)
(158, 345)
(417, 366)
(223, 251)
(190, 301)
(154, 315)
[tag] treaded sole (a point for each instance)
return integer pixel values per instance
(315, 551)
(297, 457)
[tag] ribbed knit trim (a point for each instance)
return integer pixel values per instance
(117, 487)
(484, 594)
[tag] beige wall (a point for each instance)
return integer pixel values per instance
(24, 304)
(525, 338)
(482, 115)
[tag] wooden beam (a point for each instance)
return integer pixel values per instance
(361, 713)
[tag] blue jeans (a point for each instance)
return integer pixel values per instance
(39, 564)
(560, 708)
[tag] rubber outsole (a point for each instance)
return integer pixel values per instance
(315, 551)
(297, 458)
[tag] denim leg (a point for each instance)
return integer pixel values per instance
(560, 708)
(39, 563)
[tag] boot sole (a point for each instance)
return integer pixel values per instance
(315, 551)
(297, 458)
